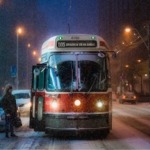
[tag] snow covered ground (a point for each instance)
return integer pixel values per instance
(131, 131)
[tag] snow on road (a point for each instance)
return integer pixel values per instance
(131, 131)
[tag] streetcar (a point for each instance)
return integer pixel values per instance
(71, 88)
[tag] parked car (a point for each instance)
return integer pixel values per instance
(2, 118)
(128, 97)
(23, 100)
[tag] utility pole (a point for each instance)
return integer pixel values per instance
(149, 54)
(17, 80)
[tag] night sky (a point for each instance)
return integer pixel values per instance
(45, 18)
(81, 15)
(42, 19)
(68, 16)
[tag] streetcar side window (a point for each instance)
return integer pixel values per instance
(34, 82)
(40, 80)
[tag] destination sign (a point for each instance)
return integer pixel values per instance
(73, 44)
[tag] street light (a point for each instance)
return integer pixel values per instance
(147, 45)
(139, 60)
(34, 53)
(127, 66)
(128, 30)
(28, 48)
(39, 59)
(19, 31)
(1, 2)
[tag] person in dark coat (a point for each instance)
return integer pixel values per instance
(10, 109)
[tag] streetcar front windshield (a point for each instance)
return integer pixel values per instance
(85, 76)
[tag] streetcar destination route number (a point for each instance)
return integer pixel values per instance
(67, 44)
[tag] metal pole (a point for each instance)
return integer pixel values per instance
(149, 55)
(27, 68)
(17, 82)
(141, 37)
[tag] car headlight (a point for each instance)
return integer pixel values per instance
(123, 96)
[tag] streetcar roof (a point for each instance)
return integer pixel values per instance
(74, 42)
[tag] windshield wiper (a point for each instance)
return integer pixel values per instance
(91, 87)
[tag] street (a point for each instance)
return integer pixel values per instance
(72, 65)
(131, 131)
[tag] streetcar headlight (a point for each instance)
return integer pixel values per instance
(54, 104)
(100, 104)
(77, 102)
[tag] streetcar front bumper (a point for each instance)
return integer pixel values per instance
(81, 122)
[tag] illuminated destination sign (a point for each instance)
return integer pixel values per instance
(73, 44)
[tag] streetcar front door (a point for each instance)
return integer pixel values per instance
(37, 97)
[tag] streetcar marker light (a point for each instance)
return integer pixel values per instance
(93, 37)
(60, 37)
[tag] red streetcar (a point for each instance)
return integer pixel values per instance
(71, 88)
